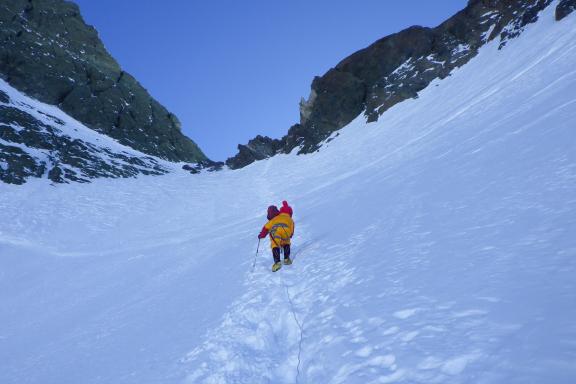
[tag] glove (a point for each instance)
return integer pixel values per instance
(263, 233)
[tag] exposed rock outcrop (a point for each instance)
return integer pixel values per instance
(49, 53)
(37, 140)
(399, 66)
(564, 8)
(259, 148)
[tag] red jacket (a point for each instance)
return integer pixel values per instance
(273, 212)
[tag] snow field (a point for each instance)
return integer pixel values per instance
(440, 238)
(434, 246)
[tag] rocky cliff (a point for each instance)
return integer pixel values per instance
(396, 68)
(48, 52)
(39, 140)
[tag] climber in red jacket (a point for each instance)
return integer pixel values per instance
(280, 226)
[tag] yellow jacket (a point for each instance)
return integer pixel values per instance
(280, 228)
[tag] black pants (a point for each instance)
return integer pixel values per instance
(276, 253)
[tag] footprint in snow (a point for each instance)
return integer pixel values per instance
(406, 313)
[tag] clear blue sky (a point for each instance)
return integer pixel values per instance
(233, 69)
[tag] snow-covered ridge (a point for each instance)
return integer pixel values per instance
(39, 140)
(49, 53)
(396, 68)
(429, 254)
(442, 251)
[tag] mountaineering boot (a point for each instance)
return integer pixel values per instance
(276, 266)
(287, 261)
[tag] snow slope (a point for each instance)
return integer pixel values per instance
(434, 246)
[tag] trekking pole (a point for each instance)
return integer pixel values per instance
(256, 255)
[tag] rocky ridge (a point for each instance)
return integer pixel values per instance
(49, 53)
(396, 68)
(39, 140)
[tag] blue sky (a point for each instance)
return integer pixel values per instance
(233, 69)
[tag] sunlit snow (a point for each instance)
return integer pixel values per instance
(437, 245)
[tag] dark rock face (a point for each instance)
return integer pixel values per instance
(49, 53)
(210, 166)
(4, 97)
(564, 8)
(258, 148)
(399, 66)
(34, 143)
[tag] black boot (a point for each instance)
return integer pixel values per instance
(276, 254)
(287, 260)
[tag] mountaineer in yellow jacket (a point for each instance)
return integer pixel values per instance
(280, 227)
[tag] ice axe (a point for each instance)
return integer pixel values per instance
(256, 255)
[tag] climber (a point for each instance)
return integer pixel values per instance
(280, 227)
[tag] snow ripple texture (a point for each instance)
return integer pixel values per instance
(434, 246)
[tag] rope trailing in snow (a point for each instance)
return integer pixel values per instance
(293, 314)
(299, 326)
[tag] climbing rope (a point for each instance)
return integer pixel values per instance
(292, 309)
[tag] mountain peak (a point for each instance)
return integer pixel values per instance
(52, 55)
(397, 67)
